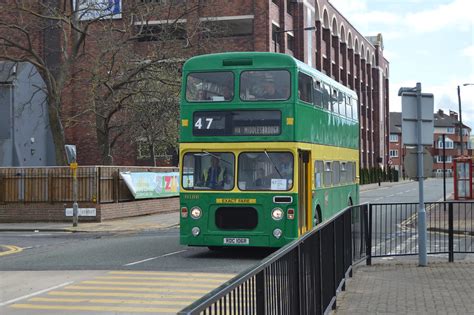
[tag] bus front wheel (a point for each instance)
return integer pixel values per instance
(317, 216)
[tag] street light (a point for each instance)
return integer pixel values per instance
(460, 117)
(310, 28)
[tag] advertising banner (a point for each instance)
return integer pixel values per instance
(151, 184)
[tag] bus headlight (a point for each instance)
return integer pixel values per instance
(196, 212)
(277, 233)
(195, 231)
(277, 214)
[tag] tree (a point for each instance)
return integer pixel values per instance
(51, 36)
(100, 64)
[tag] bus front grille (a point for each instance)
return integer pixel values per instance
(236, 218)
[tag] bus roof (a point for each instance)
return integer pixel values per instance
(239, 59)
(257, 60)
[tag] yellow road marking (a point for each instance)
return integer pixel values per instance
(191, 279)
(136, 289)
(108, 301)
(11, 249)
(414, 216)
(97, 308)
(179, 274)
(189, 285)
(120, 294)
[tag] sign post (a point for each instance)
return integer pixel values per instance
(417, 129)
(71, 159)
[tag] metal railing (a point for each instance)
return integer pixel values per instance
(450, 229)
(300, 278)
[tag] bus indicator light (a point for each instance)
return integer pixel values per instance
(184, 212)
(291, 214)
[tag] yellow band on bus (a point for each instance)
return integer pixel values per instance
(235, 200)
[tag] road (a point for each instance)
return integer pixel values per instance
(125, 273)
(408, 192)
(75, 273)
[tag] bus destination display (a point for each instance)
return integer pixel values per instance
(237, 123)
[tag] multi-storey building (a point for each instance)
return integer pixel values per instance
(313, 31)
(445, 126)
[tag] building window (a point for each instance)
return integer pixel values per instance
(227, 27)
(161, 31)
(450, 130)
(449, 143)
(439, 159)
(289, 6)
(393, 137)
(393, 153)
(276, 37)
(291, 42)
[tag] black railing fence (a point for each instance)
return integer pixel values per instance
(394, 232)
(300, 278)
(305, 276)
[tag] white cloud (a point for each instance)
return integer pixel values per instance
(456, 14)
(468, 51)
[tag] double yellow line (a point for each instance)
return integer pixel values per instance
(10, 249)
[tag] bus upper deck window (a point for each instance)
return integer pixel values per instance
(265, 85)
(210, 87)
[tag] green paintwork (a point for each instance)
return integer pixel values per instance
(260, 236)
(311, 124)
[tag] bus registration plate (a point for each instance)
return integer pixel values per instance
(236, 241)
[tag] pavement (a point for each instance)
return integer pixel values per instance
(400, 286)
(131, 224)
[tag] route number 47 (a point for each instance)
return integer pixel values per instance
(207, 121)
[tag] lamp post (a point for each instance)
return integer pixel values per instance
(460, 117)
(310, 28)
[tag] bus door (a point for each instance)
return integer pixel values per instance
(304, 192)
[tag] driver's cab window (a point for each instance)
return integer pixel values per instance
(208, 171)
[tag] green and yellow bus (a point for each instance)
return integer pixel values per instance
(268, 149)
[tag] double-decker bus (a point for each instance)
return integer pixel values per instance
(268, 149)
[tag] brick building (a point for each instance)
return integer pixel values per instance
(313, 31)
(447, 125)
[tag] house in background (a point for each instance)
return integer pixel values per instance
(25, 135)
(447, 125)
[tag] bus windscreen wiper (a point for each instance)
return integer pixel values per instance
(276, 168)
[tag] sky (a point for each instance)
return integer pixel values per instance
(426, 41)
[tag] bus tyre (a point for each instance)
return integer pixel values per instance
(215, 248)
(317, 217)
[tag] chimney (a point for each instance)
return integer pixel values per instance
(453, 114)
(440, 112)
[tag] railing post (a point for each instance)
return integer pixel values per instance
(260, 294)
(451, 233)
(299, 276)
(368, 233)
(99, 176)
(116, 185)
(2, 189)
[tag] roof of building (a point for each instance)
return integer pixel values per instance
(440, 120)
